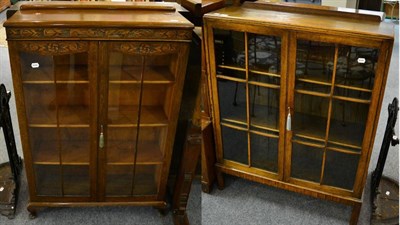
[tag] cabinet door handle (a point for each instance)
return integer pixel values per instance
(289, 121)
(101, 138)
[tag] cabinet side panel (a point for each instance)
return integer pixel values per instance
(175, 99)
(373, 116)
(20, 103)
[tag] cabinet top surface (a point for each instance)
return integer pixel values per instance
(98, 14)
(298, 19)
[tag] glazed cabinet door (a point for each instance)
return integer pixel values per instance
(139, 80)
(248, 73)
(333, 89)
(58, 100)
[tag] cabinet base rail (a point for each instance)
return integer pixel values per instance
(34, 206)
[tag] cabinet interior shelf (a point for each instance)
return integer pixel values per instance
(312, 129)
(254, 71)
(232, 67)
(126, 116)
(353, 88)
(63, 73)
(319, 94)
(260, 72)
(56, 82)
(71, 115)
(314, 81)
(131, 75)
(73, 152)
(318, 81)
(122, 153)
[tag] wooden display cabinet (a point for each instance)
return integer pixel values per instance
(98, 89)
(296, 95)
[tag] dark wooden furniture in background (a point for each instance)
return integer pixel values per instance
(186, 174)
(191, 117)
(296, 102)
(9, 171)
(4, 4)
(374, 5)
(207, 147)
(197, 8)
(98, 88)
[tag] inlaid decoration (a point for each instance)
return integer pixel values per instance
(54, 48)
(109, 33)
(146, 48)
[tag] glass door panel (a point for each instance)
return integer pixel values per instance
(147, 178)
(264, 54)
(306, 161)
(57, 101)
(144, 182)
(230, 53)
(119, 180)
(310, 116)
(76, 180)
(139, 86)
(44, 110)
(356, 67)
(348, 122)
(264, 108)
(234, 144)
(314, 62)
(48, 180)
(355, 72)
(340, 169)
(232, 101)
(264, 65)
(333, 89)
(248, 75)
(264, 152)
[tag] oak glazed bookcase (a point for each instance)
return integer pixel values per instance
(98, 90)
(296, 93)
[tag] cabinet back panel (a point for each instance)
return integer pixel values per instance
(128, 95)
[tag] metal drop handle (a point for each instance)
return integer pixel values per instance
(101, 138)
(289, 121)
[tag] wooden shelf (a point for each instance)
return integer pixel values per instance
(75, 180)
(131, 75)
(314, 81)
(119, 187)
(41, 116)
(64, 74)
(235, 119)
(126, 116)
(353, 88)
(269, 120)
(232, 67)
(264, 73)
(314, 128)
(72, 153)
(309, 125)
(121, 180)
(342, 135)
(122, 153)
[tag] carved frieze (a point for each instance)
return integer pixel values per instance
(54, 48)
(109, 33)
(146, 48)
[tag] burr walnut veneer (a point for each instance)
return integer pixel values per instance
(98, 88)
(296, 94)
